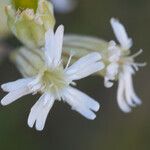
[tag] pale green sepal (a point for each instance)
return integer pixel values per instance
(45, 11)
(79, 46)
(28, 62)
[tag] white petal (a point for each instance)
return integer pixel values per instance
(85, 66)
(120, 33)
(14, 95)
(35, 110)
(84, 99)
(53, 46)
(128, 90)
(120, 97)
(49, 46)
(41, 120)
(135, 98)
(40, 111)
(86, 60)
(91, 69)
(131, 97)
(82, 103)
(59, 43)
(15, 85)
(112, 70)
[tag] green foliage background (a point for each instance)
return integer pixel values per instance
(66, 129)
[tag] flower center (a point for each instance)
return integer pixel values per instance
(54, 80)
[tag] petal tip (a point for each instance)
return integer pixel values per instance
(113, 20)
(97, 107)
(39, 128)
(61, 28)
(30, 123)
(92, 117)
(3, 103)
(3, 87)
(129, 110)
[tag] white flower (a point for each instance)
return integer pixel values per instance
(64, 6)
(123, 66)
(54, 82)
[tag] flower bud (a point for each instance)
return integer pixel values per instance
(29, 24)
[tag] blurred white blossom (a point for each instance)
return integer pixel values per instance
(119, 64)
(125, 68)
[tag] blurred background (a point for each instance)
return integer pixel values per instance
(66, 129)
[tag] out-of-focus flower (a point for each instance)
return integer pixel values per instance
(126, 96)
(119, 65)
(54, 81)
(4, 31)
(64, 6)
(29, 23)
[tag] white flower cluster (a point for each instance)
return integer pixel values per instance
(56, 82)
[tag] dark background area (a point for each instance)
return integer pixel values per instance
(66, 129)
